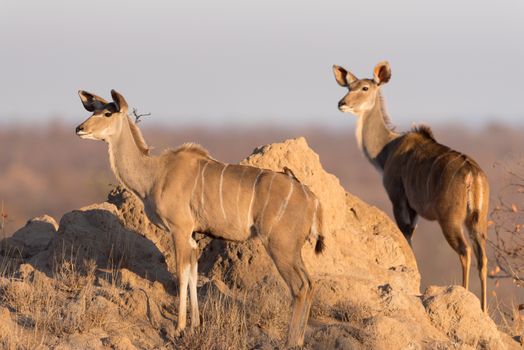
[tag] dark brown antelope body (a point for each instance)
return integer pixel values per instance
(421, 176)
(433, 177)
(186, 191)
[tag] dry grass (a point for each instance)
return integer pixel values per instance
(346, 311)
(509, 318)
(269, 308)
(243, 319)
(224, 324)
(46, 308)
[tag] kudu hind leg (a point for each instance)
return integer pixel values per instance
(193, 282)
(455, 237)
(479, 249)
(293, 271)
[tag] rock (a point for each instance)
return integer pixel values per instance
(31, 239)
(97, 232)
(7, 326)
(119, 343)
(457, 313)
(81, 342)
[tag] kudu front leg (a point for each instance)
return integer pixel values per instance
(186, 268)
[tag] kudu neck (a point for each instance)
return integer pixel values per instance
(133, 168)
(376, 133)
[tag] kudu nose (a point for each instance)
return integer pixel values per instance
(79, 128)
(341, 103)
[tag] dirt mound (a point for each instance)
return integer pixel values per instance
(31, 239)
(103, 279)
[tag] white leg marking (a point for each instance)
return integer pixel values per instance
(220, 190)
(267, 198)
(202, 189)
(283, 206)
(182, 303)
(238, 195)
(193, 295)
(252, 199)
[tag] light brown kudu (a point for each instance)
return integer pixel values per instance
(186, 191)
(421, 176)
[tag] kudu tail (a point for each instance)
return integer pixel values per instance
(317, 227)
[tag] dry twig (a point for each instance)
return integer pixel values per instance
(138, 116)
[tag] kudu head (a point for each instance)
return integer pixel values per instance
(363, 93)
(107, 118)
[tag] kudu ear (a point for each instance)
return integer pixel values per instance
(91, 102)
(343, 77)
(382, 73)
(120, 101)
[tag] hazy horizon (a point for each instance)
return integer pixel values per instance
(242, 63)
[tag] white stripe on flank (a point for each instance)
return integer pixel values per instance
(196, 181)
(202, 194)
(303, 189)
(455, 173)
(444, 169)
(252, 198)
(431, 170)
(283, 206)
(267, 198)
(238, 195)
(451, 161)
(220, 190)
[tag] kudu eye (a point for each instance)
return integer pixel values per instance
(108, 114)
(365, 88)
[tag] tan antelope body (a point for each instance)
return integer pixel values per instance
(186, 191)
(421, 176)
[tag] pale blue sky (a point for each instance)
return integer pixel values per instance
(244, 62)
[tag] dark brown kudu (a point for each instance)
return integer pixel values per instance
(186, 191)
(421, 176)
